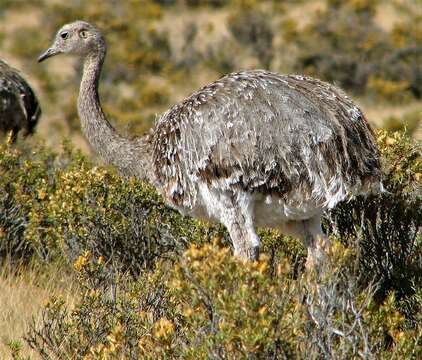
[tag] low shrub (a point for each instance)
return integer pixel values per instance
(208, 304)
(386, 228)
(154, 286)
(57, 206)
(22, 172)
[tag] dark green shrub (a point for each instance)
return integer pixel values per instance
(13, 222)
(57, 206)
(342, 44)
(214, 3)
(23, 172)
(386, 228)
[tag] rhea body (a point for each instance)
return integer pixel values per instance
(19, 108)
(252, 149)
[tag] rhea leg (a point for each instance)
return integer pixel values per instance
(237, 216)
(315, 240)
(234, 210)
(309, 231)
(245, 243)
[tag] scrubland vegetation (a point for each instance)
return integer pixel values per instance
(107, 271)
(154, 284)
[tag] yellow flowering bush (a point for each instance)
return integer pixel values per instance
(208, 303)
(154, 284)
(58, 206)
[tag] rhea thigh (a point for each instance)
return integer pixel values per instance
(233, 208)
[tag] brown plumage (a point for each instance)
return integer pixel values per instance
(19, 108)
(252, 149)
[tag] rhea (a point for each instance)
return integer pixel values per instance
(19, 108)
(252, 149)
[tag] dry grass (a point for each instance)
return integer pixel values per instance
(22, 296)
(378, 112)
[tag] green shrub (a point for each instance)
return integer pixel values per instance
(252, 29)
(57, 206)
(23, 171)
(386, 228)
(208, 304)
(124, 221)
(344, 44)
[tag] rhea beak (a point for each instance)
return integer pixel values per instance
(49, 53)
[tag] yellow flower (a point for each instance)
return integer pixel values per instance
(81, 261)
(163, 328)
(188, 312)
(263, 267)
(42, 194)
(262, 310)
(390, 141)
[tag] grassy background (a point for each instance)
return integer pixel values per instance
(160, 54)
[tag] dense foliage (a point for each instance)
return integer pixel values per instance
(56, 206)
(157, 285)
(387, 227)
(210, 305)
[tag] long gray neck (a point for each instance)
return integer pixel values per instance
(130, 157)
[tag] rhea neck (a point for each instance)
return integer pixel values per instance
(130, 157)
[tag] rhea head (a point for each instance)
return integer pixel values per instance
(78, 38)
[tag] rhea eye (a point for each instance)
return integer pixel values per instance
(64, 35)
(83, 34)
